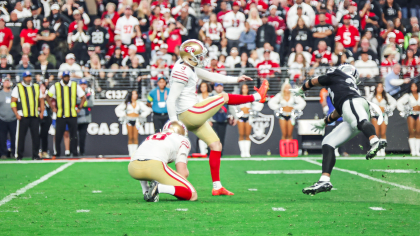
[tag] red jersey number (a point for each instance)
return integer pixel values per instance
(158, 137)
(127, 29)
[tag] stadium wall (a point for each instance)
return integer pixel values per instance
(106, 136)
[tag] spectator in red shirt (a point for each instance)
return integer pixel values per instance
(109, 20)
(322, 50)
(28, 35)
(156, 34)
(7, 35)
(391, 28)
(118, 44)
(279, 25)
(348, 35)
(259, 4)
(365, 15)
(409, 64)
(267, 67)
(158, 16)
(173, 35)
(77, 17)
(222, 12)
(386, 65)
(216, 66)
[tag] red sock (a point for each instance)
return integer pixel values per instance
(182, 193)
(214, 160)
(236, 99)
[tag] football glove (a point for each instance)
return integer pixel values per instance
(298, 92)
(319, 126)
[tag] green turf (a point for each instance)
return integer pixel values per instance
(50, 207)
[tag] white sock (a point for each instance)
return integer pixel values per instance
(418, 146)
(203, 146)
(217, 185)
(67, 152)
(374, 140)
(337, 154)
(132, 148)
(257, 96)
(144, 186)
(324, 178)
(412, 144)
(169, 189)
(241, 147)
(248, 148)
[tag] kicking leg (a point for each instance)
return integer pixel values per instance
(236, 99)
(207, 134)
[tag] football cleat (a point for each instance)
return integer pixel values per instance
(375, 148)
(263, 90)
(221, 191)
(153, 194)
(318, 187)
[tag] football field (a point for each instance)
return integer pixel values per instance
(377, 197)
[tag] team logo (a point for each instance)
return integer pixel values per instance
(262, 127)
(189, 49)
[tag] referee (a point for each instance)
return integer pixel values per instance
(65, 93)
(25, 97)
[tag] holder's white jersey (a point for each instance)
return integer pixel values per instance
(165, 147)
(183, 74)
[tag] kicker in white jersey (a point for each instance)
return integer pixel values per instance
(183, 74)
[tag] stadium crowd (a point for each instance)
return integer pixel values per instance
(85, 36)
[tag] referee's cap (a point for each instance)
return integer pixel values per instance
(66, 73)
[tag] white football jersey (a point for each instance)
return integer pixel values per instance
(165, 147)
(183, 74)
(125, 28)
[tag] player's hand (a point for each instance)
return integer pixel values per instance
(18, 117)
(319, 126)
(41, 116)
(54, 109)
(298, 92)
(244, 78)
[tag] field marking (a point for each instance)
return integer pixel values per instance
(10, 211)
(252, 189)
(265, 172)
(377, 208)
(397, 171)
(368, 177)
(223, 159)
(79, 211)
(278, 209)
(181, 209)
(96, 191)
(35, 183)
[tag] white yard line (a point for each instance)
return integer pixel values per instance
(33, 184)
(278, 209)
(223, 159)
(265, 172)
(181, 209)
(397, 171)
(79, 211)
(377, 208)
(368, 177)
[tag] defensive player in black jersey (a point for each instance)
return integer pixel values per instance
(341, 83)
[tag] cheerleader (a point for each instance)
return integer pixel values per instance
(409, 106)
(203, 93)
(387, 104)
(244, 128)
(130, 112)
(286, 103)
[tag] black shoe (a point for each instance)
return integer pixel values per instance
(375, 148)
(36, 158)
(3, 157)
(153, 194)
(18, 158)
(318, 187)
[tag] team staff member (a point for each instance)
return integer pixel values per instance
(66, 94)
(7, 119)
(25, 96)
(84, 117)
(157, 101)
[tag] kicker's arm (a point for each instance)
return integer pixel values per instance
(176, 89)
(215, 77)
